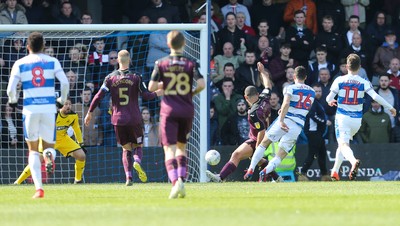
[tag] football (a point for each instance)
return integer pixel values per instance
(213, 157)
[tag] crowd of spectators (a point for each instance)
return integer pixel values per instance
(281, 34)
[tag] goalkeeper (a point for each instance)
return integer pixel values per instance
(64, 143)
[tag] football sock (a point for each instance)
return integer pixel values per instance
(273, 164)
(348, 154)
(138, 155)
(127, 162)
(25, 174)
(338, 161)
(79, 168)
(35, 165)
(182, 166)
(227, 170)
(257, 156)
(171, 165)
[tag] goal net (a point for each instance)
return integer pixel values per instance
(87, 54)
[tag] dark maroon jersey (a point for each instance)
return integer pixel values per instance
(177, 74)
(258, 114)
(125, 88)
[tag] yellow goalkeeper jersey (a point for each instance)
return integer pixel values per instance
(63, 122)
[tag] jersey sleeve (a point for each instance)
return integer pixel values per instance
(335, 86)
(77, 129)
(12, 84)
(288, 90)
(368, 86)
(105, 86)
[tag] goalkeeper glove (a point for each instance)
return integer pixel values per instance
(13, 105)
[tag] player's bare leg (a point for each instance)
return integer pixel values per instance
(242, 152)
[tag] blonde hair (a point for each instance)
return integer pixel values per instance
(176, 40)
(123, 56)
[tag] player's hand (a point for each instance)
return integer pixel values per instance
(260, 67)
(88, 118)
(393, 111)
(59, 103)
(159, 92)
(13, 105)
(160, 85)
(284, 127)
(332, 103)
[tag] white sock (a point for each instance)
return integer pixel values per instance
(257, 156)
(35, 165)
(52, 151)
(338, 161)
(348, 154)
(273, 164)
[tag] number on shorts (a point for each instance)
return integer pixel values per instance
(38, 79)
(347, 94)
(306, 104)
(179, 84)
(123, 96)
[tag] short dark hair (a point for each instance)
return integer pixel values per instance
(328, 17)
(229, 64)
(286, 45)
(353, 62)
(230, 13)
(250, 91)
(316, 85)
(321, 49)
(354, 17)
(300, 72)
(36, 42)
(87, 14)
(299, 12)
(385, 75)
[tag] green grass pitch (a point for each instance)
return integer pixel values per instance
(231, 203)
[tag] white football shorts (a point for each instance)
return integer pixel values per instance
(346, 127)
(286, 139)
(40, 125)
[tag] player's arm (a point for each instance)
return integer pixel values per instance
(12, 90)
(96, 101)
(77, 129)
(64, 83)
(284, 110)
(154, 79)
(201, 84)
(146, 95)
(381, 101)
(12, 85)
(265, 76)
(330, 99)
